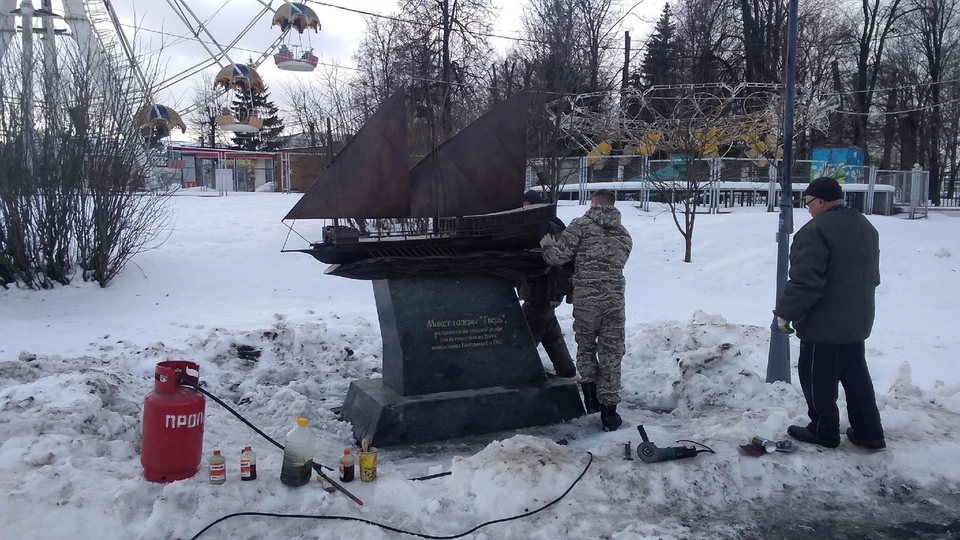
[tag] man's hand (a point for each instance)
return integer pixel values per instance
(784, 325)
(547, 240)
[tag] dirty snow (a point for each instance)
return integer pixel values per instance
(76, 363)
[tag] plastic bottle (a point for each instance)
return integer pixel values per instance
(248, 464)
(298, 450)
(218, 469)
(347, 462)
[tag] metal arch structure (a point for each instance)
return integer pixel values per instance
(96, 24)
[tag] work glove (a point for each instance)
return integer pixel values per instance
(784, 325)
(547, 240)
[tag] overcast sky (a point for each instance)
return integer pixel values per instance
(334, 44)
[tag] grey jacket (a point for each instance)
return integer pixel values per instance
(834, 274)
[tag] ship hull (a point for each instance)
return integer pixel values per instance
(506, 231)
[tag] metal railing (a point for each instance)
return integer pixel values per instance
(726, 182)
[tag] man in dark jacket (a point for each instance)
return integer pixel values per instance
(834, 273)
(599, 246)
(541, 296)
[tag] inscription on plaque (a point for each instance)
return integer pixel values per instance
(450, 334)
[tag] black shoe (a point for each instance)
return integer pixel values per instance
(609, 417)
(803, 434)
(590, 401)
(869, 444)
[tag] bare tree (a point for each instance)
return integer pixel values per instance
(870, 29)
(210, 103)
(305, 106)
(937, 38)
(448, 48)
(78, 191)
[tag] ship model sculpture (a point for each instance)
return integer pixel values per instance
(459, 209)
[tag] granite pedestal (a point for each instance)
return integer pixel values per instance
(458, 360)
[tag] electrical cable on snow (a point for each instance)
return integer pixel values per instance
(401, 531)
(361, 520)
(699, 450)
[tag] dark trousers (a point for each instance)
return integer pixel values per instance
(822, 367)
(545, 329)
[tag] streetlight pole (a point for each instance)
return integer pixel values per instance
(778, 360)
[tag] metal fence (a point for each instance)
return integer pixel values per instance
(728, 182)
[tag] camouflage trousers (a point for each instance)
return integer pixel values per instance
(599, 328)
(545, 329)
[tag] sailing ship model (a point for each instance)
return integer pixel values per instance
(462, 199)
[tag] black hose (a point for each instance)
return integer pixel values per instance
(402, 531)
(317, 467)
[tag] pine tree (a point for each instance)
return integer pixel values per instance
(268, 139)
(660, 61)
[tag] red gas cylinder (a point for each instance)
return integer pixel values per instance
(173, 424)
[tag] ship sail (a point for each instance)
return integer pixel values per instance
(480, 170)
(370, 177)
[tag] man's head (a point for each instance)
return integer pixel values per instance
(532, 197)
(602, 197)
(821, 195)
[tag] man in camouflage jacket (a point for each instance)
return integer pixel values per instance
(599, 247)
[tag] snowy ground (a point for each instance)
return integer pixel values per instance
(76, 362)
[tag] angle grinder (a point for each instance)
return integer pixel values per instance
(649, 452)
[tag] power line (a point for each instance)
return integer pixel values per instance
(237, 47)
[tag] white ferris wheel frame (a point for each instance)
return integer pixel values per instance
(96, 22)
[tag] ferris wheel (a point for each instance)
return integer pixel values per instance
(97, 23)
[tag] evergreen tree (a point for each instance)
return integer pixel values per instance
(268, 139)
(661, 60)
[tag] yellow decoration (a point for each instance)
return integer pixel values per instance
(604, 148)
(592, 157)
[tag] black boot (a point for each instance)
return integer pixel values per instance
(608, 415)
(590, 401)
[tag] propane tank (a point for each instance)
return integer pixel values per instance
(173, 424)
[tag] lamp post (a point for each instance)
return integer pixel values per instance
(778, 360)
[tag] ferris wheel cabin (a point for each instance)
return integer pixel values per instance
(289, 59)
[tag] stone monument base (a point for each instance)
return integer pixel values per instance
(387, 418)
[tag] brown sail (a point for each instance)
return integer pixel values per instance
(480, 170)
(370, 177)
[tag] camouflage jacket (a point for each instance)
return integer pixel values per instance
(599, 246)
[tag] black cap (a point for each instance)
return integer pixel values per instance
(824, 188)
(532, 197)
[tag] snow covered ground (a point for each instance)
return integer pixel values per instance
(76, 363)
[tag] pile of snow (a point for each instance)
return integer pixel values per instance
(267, 187)
(278, 339)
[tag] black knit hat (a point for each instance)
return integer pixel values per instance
(824, 188)
(532, 197)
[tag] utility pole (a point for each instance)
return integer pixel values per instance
(778, 360)
(626, 63)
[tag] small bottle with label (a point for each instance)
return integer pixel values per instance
(218, 469)
(347, 466)
(248, 464)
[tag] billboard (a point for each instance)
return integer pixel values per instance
(845, 165)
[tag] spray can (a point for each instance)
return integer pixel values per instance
(218, 469)
(248, 464)
(347, 466)
(764, 444)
